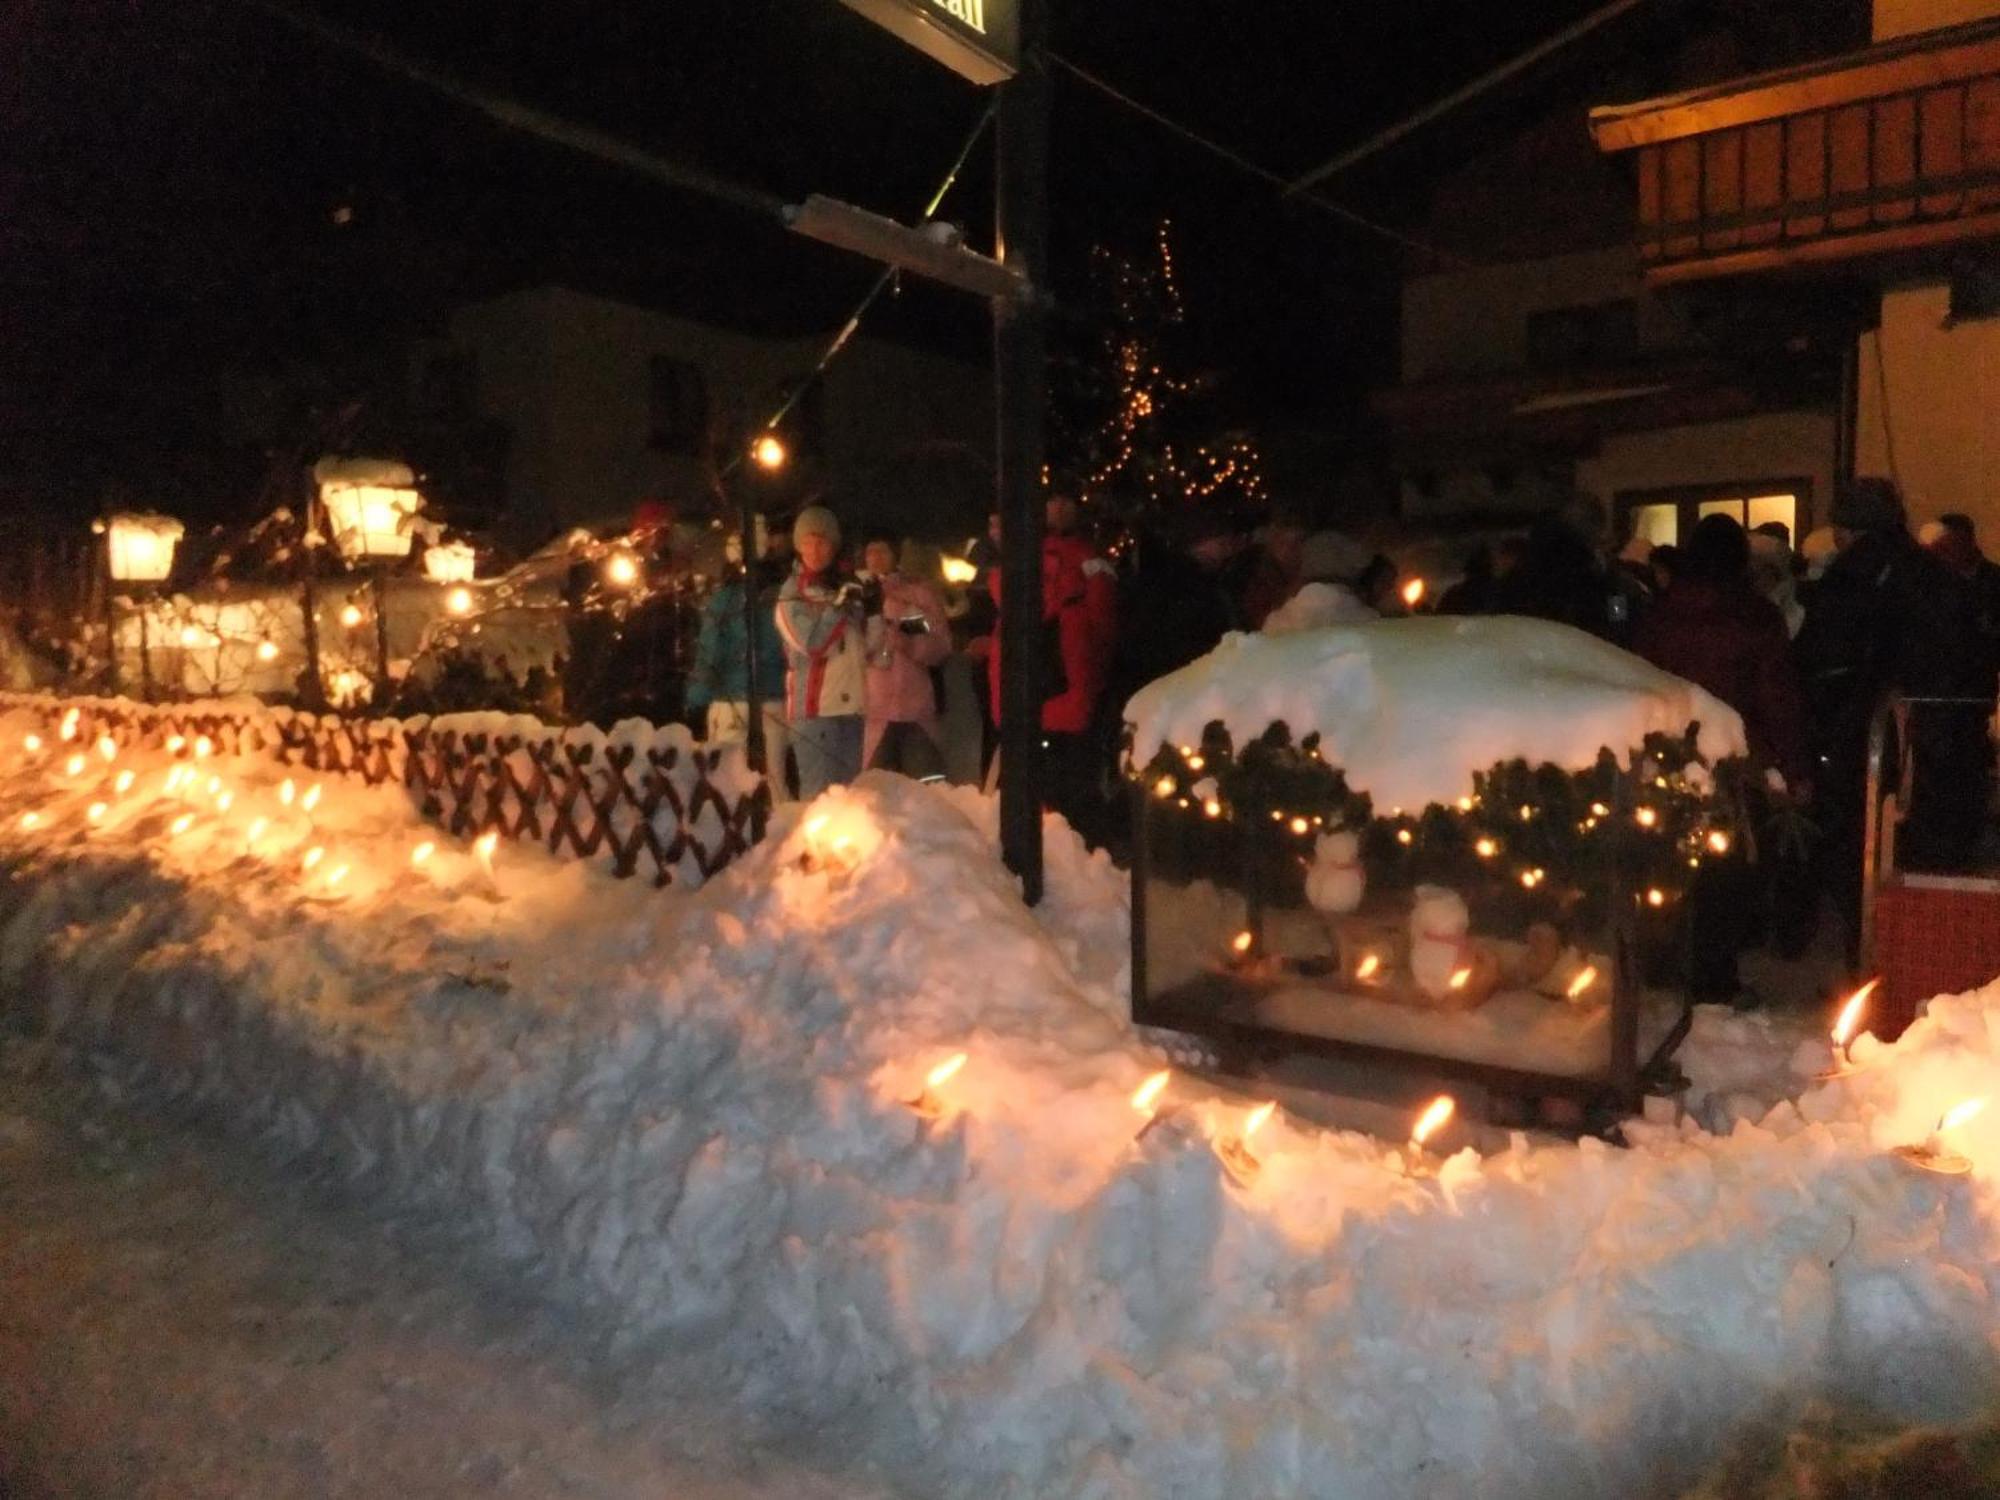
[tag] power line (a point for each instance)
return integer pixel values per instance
(882, 284)
(1472, 90)
(515, 115)
(1261, 173)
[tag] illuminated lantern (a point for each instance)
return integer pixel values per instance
(141, 546)
(370, 505)
(769, 452)
(449, 562)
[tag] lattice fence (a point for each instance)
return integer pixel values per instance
(646, 800)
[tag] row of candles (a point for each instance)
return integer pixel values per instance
(1239, 1159)
(184, 779)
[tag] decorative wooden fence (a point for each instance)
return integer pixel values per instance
(644, 798)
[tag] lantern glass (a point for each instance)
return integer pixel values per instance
(371, 520)
(141, 547)
(449, 562)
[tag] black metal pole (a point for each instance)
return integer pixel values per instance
(110, 619)
(380, 596)
(1020, 361)
(312, 691)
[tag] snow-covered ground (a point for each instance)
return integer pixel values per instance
(181, 1317)
(690, 1112)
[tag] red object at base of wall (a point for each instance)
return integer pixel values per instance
(1931, 941)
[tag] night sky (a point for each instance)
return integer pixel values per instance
(191, 187)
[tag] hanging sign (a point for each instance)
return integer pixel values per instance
(980, 40)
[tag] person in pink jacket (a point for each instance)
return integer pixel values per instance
(907, 635)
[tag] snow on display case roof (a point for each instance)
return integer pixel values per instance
(1410, 710)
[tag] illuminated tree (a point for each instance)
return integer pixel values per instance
(1130, 425)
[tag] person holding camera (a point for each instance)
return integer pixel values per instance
(908, 634)
(822, 618)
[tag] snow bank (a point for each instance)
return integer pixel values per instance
(691, 1111)
(1412, 709)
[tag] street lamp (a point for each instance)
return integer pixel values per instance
(139, 548)
(370, 507)
(769, 453)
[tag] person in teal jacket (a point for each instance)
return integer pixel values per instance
(719, 682)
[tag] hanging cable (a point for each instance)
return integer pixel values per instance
(882, 283)
(517, 116)
(1262, 174)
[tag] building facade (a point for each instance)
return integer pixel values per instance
(606, 405)
(1872, 177)
(1551, 362)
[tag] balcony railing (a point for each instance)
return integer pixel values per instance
(1893, 149)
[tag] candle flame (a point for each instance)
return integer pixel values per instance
(107, 747)
(267, 651)
(313, 856)
(1258, 1118)
(311, 799)
(337, 874)
(1300, 825)
(96, 811)
(814, 825)
(422, 852)
(1196, 762)
(484, 846)
(1959, 1114)
(1851, 1013)
(1586, 977)
(214, 785)
(257, 827)
(1413, 592)
(1486, 848)
(203, 747)
(1243, 941)
(1369, 967)
(175, 744)
(945, 1071)
(1144, 1096)
(74, 765)
(1718, 842)
(30, 819)
(183, 823)
(1164, 787)
(124, 782)
(288, 792)
(1460, 977)
(225, 802)
(1656, 897)
(1645, 817)
(1433, 1119)
(33, 743)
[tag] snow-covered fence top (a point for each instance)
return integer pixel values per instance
(1412, 710)
(645, 797)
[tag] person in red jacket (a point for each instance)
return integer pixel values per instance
(1080, 612)
(1712, 627)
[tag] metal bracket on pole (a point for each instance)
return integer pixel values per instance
(936, 251)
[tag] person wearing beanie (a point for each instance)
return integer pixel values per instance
(822, 618)
(908, 637)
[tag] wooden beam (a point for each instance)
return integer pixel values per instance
(1827, 250)
(1904, 66)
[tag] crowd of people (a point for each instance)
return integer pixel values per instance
(851, 663)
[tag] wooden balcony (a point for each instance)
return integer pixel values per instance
(1890, 151)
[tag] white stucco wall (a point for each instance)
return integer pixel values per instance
(1476, 320)
(1772, 445)
(1929, 409)
(1894, 18)
(568, 373)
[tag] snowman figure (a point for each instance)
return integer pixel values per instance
(1439, 946)
(1336, 881)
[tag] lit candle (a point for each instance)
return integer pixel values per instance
(422, 853)
(1234, 1151)
(927, 1102)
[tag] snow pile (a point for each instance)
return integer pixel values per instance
(695, 1112)
(1412, 709)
